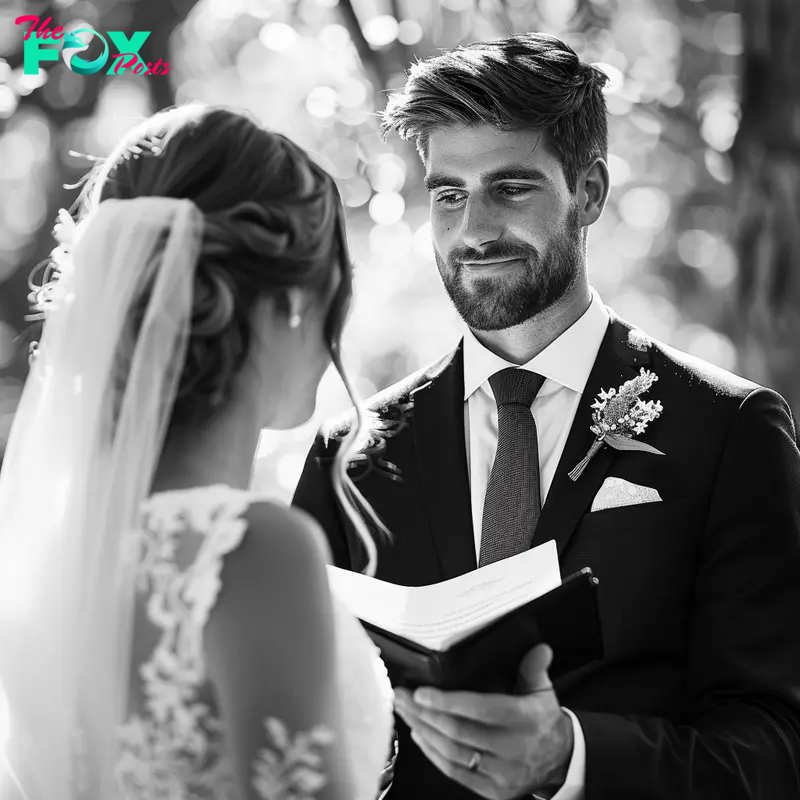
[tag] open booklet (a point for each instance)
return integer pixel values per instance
(471, 631)
(441, 614)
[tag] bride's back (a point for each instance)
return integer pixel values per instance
(234, 617)
(200, 298)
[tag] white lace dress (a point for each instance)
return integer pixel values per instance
(173, 746)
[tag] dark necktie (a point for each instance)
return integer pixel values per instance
(513, 500)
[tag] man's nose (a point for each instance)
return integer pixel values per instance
(481, 223)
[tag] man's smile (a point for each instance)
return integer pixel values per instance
(492, 267)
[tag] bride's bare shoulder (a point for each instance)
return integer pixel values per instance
(281, 545)
(282, 528)
(271, 586)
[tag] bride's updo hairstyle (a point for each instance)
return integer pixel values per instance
(273, 221)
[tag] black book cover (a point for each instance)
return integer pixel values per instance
(566, 618)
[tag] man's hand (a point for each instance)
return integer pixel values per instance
(524, 741)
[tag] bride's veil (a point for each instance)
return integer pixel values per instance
(80, 458)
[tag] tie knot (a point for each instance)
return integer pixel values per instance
(514, 385)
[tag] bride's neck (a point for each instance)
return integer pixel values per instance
(221, 451)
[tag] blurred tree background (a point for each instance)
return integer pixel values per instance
(697, 245)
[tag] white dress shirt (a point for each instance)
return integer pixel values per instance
(565, 364)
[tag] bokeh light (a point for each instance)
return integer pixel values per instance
(387, 207)
(409, 32)
(387, 174)
(662, 254)
(381, 30)
(645, 207)
(278, 36)
(321, 102)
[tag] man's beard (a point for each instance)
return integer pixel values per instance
(496, 302)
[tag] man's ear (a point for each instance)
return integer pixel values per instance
(592, 191)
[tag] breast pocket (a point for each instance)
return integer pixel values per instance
(644, 557)
(663, 531)
(635, 517)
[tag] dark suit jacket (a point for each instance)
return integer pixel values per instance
(698, 695)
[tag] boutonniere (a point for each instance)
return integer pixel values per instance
(619, 415)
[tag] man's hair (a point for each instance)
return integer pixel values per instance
(528, 81)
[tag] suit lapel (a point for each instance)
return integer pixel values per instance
(567, 500)
(442, 464)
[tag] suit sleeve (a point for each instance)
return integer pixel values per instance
(742, 737)
(314, 494)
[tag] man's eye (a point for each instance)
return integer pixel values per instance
(448, 198)
(514, 191)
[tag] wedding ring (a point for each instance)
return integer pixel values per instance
(474, 762)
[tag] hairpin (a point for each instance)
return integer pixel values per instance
(150, 145)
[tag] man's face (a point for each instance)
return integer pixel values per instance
(506, 230)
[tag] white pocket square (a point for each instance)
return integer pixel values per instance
(617, 492)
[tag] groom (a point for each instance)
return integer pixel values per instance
(697, 550)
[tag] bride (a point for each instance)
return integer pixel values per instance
(164, 633)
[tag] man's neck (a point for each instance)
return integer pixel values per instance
(523, 342)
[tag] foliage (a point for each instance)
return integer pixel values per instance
(765, 323)
(318, 70)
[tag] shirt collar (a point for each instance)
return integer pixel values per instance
(567, 360)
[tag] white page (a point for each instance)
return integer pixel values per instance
(438, 615)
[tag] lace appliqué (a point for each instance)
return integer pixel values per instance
(291, 769)
(176, 749)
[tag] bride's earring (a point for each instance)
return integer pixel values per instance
(295, 320)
